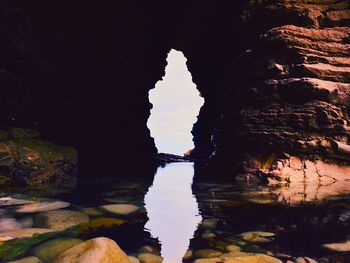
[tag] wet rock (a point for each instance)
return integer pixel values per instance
(102, 222)
(27, 260)
(232, 248)
(208, 260)
(133, 259)
(23, 233)
(305, 260)
(7, 224)
(207, 253)
(60, 219)
(257, 236)
(148, 249)
(97, 250)
(234, 254)
(340, 247)
(149, 258)
(47, 251)
(9, 201)
(41, 207)
(209, 223)
(208, 235)
(120, 209)
(92, 211)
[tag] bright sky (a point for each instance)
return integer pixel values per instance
(176, 103)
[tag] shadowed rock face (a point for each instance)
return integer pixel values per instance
(274, 75)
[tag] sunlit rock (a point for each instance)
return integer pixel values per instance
(47, 251)
(207, 253)
(97, 250)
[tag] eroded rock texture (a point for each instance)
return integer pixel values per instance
(274, 75)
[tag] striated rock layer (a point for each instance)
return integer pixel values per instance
(274, 74)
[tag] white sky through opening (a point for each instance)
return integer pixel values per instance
(176, 103)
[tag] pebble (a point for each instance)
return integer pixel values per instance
(149, 258)
(47, 251)
(41, 207)
(92, 211)
(233, 248)
(60, 219)
(120, 209)
(208, 235)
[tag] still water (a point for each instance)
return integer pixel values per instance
(172, 218)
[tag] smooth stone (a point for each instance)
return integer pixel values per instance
(305, 260)
(23, 233)
(49, 250)
(120, 209)
(7, 224)
(92, 211)
(133, 259)
(9, 201)
(27, 260)
(149, 258)
(207, 253)
(209, 260)
(256, 258)
(233, 248)
(41, 207)
(60, 219)
(257, 236)
(340, 247)
(97, 250)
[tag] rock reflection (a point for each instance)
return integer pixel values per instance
(172, 210)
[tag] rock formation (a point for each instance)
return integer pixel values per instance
(274, 74)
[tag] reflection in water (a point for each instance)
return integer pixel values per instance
(172, 210)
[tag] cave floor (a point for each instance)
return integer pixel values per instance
(176, 219)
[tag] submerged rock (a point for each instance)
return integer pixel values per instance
(60, 219)
(41, 207)
(120, 209)
(47, 251)
(97, 250)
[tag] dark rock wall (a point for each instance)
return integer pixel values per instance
(80, 72)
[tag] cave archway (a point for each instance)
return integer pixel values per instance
(176, 105)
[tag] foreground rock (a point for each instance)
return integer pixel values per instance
(257, 258)
(60, 219)
(27, 160)
(149, 258)
(47, 251)
(27, 260)
(97, 250)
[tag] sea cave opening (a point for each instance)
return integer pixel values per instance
(176, 104)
